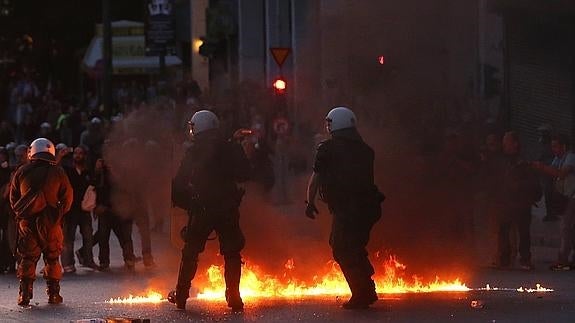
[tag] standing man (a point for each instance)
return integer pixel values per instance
(562, 172)
(7, 260)
(40, 194)
(80, 177)
(545, 156)
(206, 186)
(517, 189)
(109, 220)
(343, 175)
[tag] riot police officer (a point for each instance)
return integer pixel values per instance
(40, 194)
(205, 185)
(343, 175)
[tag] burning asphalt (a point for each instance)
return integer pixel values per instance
(257, 285)
(90, 294)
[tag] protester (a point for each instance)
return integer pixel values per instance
(517, 189)
(80, 177)
(562, 171)
(109, 220)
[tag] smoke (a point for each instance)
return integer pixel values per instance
(143, 153)
(405, 109)
(408, 110)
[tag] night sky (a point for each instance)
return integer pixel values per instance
(69, 21)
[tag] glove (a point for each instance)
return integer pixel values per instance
(311, 210)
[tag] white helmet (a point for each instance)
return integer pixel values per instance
(202, 121)
(41, 145)
(340, 118)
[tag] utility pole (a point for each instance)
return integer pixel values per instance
(107, 57)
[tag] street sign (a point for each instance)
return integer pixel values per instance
(281, 126)
(160, 27)
(280, 54)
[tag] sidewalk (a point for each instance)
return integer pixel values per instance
(543, 234)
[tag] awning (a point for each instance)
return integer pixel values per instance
(129, 56)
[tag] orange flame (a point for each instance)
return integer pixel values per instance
(538, 289)
(150, 298)
(256, 284)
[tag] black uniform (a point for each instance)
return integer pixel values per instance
(207, 180)
(344, 165)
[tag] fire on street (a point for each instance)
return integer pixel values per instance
(86, 292)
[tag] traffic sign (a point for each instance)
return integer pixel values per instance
(160, 27)
(280, 54)
(281, 126)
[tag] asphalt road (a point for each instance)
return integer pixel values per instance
(83, 297)
(86, 291)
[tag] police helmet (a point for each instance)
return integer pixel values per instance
(42, 148)
(203, 120)
(340, 118)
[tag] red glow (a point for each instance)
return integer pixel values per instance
(280, 85)
(381, 60)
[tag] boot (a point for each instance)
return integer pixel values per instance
(234, 300)
(25, 293)
(187, 272)
(363, 295)
(232, 274)
(360, 301)
(53, 291)
(179, 297)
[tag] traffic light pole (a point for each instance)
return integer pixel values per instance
(163, 64)
(107, 58)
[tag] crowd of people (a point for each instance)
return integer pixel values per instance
(493, 188)
(147, 118)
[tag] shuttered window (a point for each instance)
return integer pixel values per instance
(540, 77)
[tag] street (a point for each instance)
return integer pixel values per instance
(423, 149)
(86, 291)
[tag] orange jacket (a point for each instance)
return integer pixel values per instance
(56, 186)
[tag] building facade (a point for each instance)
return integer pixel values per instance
(539, 66)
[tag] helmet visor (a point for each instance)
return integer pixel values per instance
(190, 128)
(327, 125)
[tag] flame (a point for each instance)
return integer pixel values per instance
(257, 284)
(538, 289)
(151, 297)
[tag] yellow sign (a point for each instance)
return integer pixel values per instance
(128, 48)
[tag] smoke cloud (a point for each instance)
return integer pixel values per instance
(406, 108)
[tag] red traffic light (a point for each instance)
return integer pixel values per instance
(280, 85)
(381, 59)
